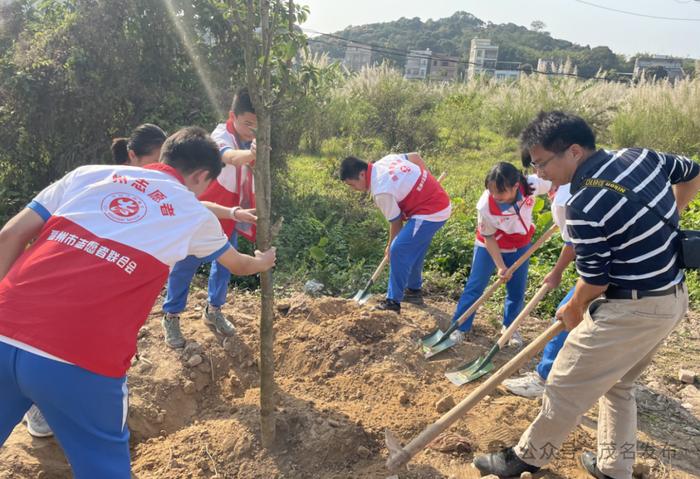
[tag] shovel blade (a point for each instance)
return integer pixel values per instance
(430, 351)
(467, 374)
(472, 367)
(398, 456)
(432, 338)
(362, 296)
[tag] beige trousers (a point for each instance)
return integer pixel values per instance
(600, 360)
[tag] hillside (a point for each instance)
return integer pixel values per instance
(452, 36)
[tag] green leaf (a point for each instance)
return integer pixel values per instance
(544, 219)
(317, 253)
(539, 204)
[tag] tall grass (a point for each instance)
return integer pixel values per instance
(334, 235)
(401, 114)
(661, 115)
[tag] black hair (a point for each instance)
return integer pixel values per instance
(555, 131)
(143, 140)
(504, 175)
(525, 158)
(120, 153)
(189, 149)
(351, 167)
(241, 102)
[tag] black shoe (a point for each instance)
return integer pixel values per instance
(389, 305)
(503, 464)
(589, 461)
(413, 296)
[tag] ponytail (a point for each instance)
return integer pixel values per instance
(143, 140)
(505, 175)
(120, 153)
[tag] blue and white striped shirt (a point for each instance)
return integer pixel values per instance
(618, 241)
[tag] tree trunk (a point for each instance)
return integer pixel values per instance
(264, 241)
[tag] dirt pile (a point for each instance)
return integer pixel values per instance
(345, 374)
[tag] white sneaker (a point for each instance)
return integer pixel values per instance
(36, 424)
(458, 336)
(515, 341)
(530, 385)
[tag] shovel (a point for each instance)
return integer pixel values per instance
(437, 341)
(363, 295)
(398, 455)
(483, 365)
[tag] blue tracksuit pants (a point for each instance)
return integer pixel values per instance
(554, 345)
(181, 275)
(482, 269)
(407, 254)
(86, 411)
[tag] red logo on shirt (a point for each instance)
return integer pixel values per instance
(123, 208)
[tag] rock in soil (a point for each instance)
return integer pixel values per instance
(445, 404)
(686, 376)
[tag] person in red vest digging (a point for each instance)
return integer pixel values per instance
(415, 205)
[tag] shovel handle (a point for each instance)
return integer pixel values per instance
(402, 456)
(505, 337)
(492, 289)
(379, 269)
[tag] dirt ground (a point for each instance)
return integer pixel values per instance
(345, 374)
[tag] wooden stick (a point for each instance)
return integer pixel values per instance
(508, 333)
(399, 457)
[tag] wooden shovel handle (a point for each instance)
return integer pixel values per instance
(379, 269)
(418, 443)
(492, 289)
(508, 333)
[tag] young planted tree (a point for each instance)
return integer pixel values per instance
(270, 38)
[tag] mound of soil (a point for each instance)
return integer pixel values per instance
(345, 374)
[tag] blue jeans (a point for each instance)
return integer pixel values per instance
(86, 411)
(407, 254)
(554, 345)
(482, 269)
(181, 275)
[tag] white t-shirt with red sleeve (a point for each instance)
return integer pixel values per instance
(234, 186)
(83, 289)
(402, 188)
(512, 228)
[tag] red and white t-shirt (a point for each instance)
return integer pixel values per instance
(234, 186)
(561, 196)
(513, 227)
(401, 188)
(83, 289)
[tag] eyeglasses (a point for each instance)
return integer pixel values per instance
(541, 165)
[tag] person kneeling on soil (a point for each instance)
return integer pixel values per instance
(415, 205)
(72, 303)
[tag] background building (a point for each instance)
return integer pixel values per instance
(357, 56)
(417, 64)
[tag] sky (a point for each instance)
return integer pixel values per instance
(573, 20)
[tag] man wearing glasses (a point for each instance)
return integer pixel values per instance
(629, 255)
